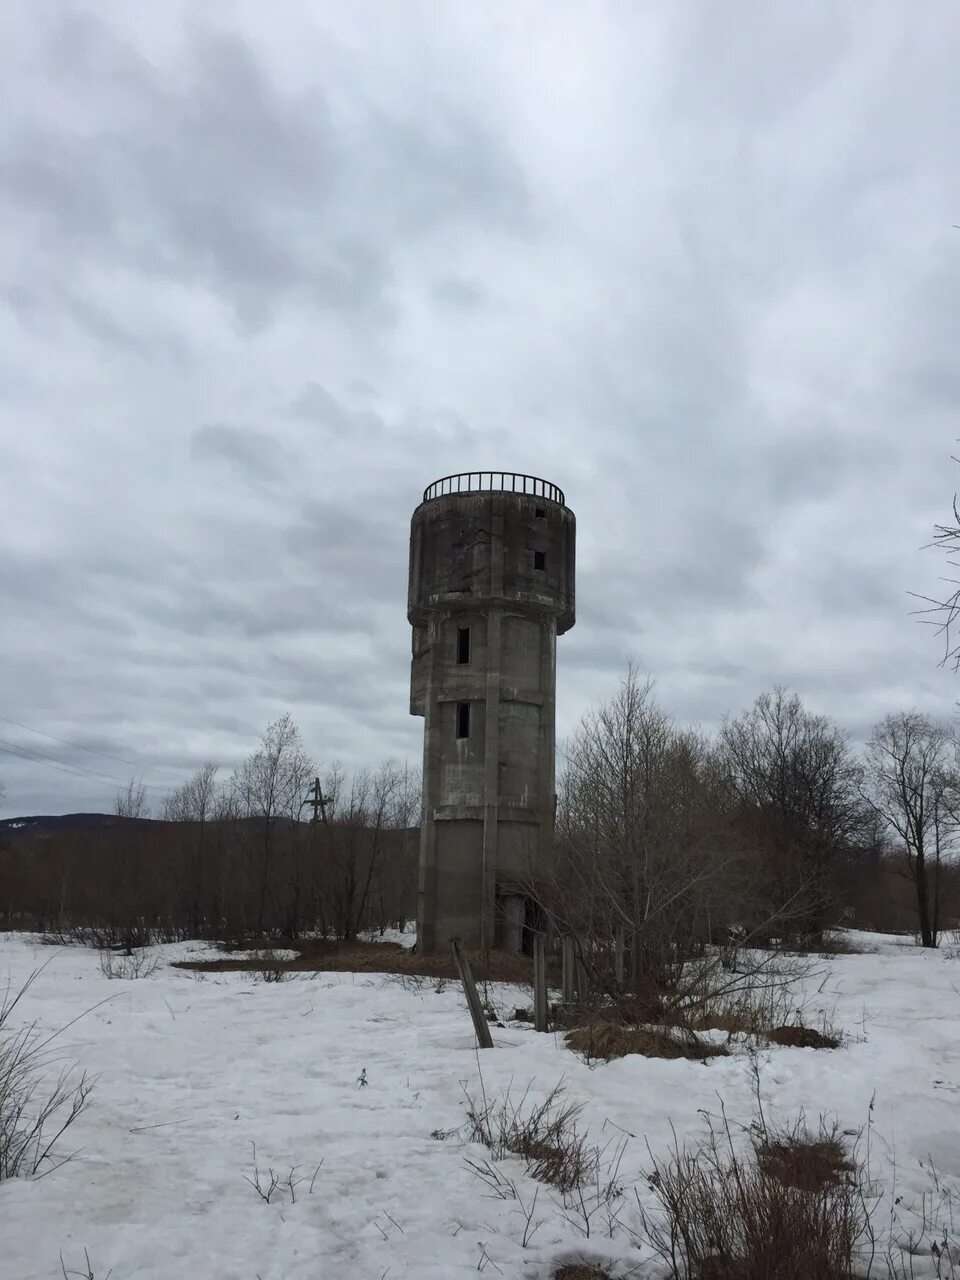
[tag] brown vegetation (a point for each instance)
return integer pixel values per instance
(316, 955)
(607, 1040)
(800, 1037)
(797, 1211)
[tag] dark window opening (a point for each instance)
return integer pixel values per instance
(463, 645)
(539, 559)
(540, 513)
(463, 719)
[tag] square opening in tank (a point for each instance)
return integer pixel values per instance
(463, 719)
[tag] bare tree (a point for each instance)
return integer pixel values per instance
(943, 613)
(194, 804)
(193, 801)
(913, 785)
(368, 810)
(640, 845)
(131, 800)
(269, 786)
(797, 783)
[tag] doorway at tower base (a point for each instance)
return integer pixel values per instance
(519, 918)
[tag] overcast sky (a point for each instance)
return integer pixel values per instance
(268, 270)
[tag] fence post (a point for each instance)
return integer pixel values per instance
(480, 1024)
(569, 971)
(582, 982)
(539, 983)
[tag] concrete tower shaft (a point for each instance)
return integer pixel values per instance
(491, 587)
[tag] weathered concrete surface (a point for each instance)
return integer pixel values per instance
(500, 566)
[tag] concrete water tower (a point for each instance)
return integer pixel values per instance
(491, 587)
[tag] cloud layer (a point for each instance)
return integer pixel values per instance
(265, 274)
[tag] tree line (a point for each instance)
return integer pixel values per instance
(771, 831)
(231, 859)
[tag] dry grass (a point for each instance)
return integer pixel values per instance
(798, 1036)
(809, 1164)
(315, 955)
(544, 1135)
(796, 1212)
(607, 1040)
(581, 1271)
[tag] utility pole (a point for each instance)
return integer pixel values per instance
(318, 802)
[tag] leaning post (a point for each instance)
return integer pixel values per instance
(539, 983)
(480, 1024)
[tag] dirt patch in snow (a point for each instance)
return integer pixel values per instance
(314, 955)
(612, 1040)
(797, 1037)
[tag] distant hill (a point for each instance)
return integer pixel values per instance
(45, 824)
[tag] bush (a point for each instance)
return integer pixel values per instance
(544, 1136)
(796, 1211)
(138, 964)
(270, 967)
(38, 1100)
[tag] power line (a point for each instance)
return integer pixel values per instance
(78, 771)
(90, 750)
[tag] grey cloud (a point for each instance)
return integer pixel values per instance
(263, 280)
(256, 455)
(210, 173)
(316, 404)
(459, 294)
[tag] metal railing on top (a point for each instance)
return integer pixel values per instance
(488, 481)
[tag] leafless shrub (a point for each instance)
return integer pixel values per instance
(269, 1182)
(585, 1178)
(544, 1135)
(138, 964)
(723, 1216)
(758, 995)
(39, 1098)
(87, 1273)
(270, 967)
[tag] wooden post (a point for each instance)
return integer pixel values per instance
(569, 971)
(539, 983)
(480, 1024)
(582, 984)
(619, 947)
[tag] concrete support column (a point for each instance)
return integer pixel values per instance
(491, 787)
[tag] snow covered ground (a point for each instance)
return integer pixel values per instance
(196, 1071)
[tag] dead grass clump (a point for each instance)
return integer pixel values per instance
(608, 1040)
(581, 1271)
(543, 1135)
(801, 1037)
(797, 1159)
(721, 1216)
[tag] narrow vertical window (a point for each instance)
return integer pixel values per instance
(463, 719)
(540, 560)
(463, 645)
